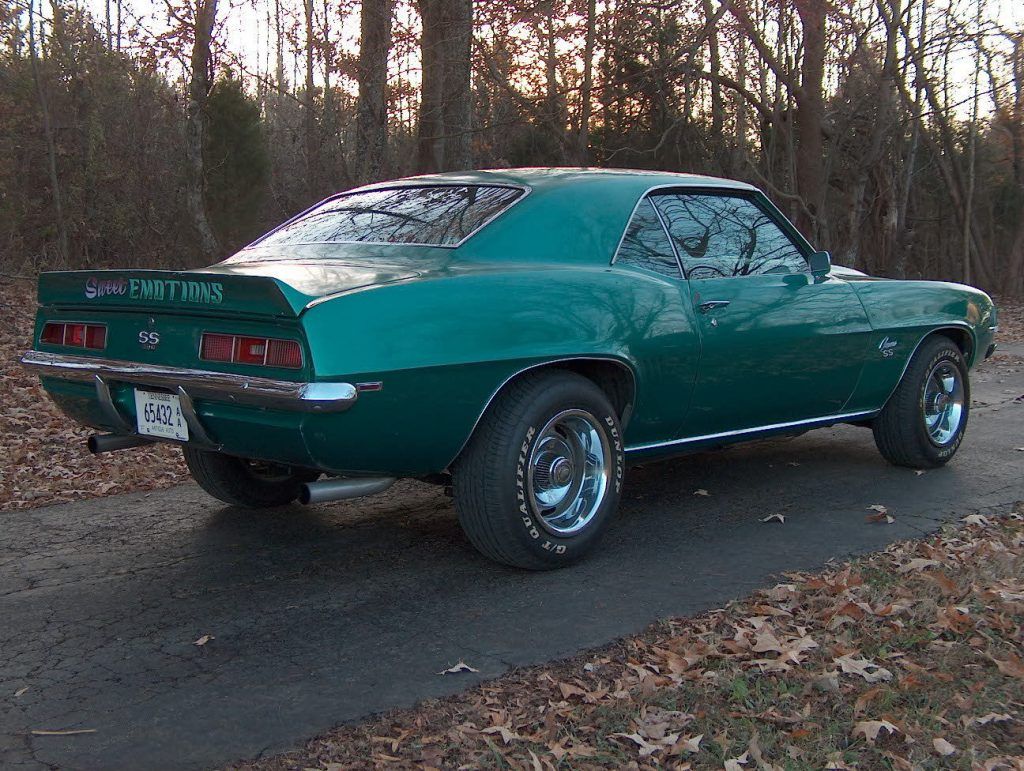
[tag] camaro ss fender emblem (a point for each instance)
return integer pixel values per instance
(888, 347)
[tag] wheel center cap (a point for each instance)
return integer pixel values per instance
(941, 401)
(561, 471)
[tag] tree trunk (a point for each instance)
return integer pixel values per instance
(312, 144)
(810, 113)
(458, 98)
(51, 145)
(430, 131)
(198, 91)
(586, 88)
(443, 137)
(372, 114)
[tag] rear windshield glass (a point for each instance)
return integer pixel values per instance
(433, 215)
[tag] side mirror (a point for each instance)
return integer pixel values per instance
(821, 264)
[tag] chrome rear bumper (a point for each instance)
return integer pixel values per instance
(215, 386)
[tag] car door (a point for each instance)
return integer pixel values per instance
(777, 344)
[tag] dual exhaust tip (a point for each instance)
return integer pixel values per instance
(321, 491)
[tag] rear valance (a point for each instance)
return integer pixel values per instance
(190, 291)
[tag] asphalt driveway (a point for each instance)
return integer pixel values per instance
(326, 614)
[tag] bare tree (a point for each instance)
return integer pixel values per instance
(48, 133)
(372, 116)
(445, 119)
(205, 16)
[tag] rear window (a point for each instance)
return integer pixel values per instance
(432, 215)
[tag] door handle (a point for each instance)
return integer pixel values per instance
(710, 305)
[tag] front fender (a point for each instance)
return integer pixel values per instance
(902, 314)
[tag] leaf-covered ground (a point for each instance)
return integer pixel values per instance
(44, 455)
(906, 659)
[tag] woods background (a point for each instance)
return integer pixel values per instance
(891, 131)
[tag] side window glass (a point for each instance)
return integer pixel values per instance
(723, 235)
(645, 243)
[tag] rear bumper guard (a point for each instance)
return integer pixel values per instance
(189, 384)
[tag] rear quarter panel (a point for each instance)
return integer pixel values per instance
(443, 346)
(905, 312)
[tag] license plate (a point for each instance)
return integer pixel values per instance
(159, 414)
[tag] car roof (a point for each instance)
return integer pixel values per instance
(568, 214)
(555, 176)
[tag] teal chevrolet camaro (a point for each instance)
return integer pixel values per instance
(519, 336)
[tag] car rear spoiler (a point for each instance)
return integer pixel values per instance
(171, 291)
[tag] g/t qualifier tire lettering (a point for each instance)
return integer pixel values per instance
(492, 482)
(900, 431)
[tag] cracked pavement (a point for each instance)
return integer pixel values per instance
(327, 614)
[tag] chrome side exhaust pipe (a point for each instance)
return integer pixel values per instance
(98, 443)
(342, 489)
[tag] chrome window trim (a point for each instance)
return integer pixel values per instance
(206, 384)
(526, 190)
(823, 421)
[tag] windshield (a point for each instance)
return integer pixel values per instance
(432, 215)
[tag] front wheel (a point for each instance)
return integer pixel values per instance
(923, 423)
(241, 482)
(539, 481)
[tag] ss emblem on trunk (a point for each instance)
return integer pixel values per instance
(149, 338)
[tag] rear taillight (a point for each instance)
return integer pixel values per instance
(242, 349)
(74, 335)
(284, 353)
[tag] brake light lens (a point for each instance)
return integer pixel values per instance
(243, 349)
(284, 353)
(52, 334)
(75, 335)
(217, 347)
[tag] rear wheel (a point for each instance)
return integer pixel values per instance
(540, 479)
(242, 482)
(923, 423)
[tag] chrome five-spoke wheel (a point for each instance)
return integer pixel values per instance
(568, 472)
(539, 481)
(943, 402)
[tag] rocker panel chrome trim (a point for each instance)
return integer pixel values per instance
(821, 422)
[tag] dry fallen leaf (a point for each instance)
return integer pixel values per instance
(870, 729)
(870, 671)
(507, 735)
(204, 639)
(943, 747)
(20, 691)
(461, 666)
(865, 699)
(646, 748)
(881, 514)
(774, 518)
(701, 491)
(736, 764)
(1012, 666)
(918, 563)
(991, 717)
(690, 745)
(976, 519)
